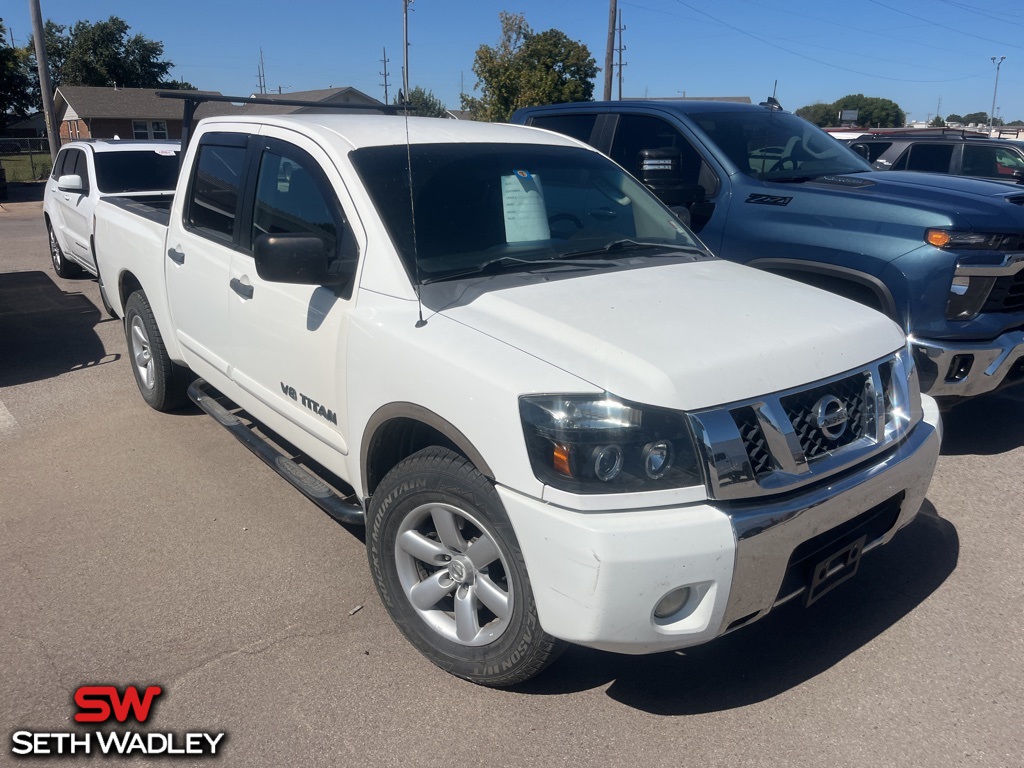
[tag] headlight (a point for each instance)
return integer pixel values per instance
(600, 444)
(975, 241)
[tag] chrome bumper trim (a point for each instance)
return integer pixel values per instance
(992, 361)
(767, 533)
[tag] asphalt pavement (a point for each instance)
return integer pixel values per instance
(153, 549)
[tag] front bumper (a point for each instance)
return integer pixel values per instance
(597, 576)
(965, 369)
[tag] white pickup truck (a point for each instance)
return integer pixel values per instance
(85, 171)
(561, 419)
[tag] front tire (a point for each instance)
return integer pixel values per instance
(448, 568)
(161, 381)
(61, 265)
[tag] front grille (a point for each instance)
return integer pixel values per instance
(1007, 294)
(754, 442)
(774, 444)
(801, 410)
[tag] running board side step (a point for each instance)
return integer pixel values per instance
(311, 486)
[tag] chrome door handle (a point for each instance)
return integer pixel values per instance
(243, 290)
(178, 257)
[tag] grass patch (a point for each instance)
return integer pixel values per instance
(26, 167)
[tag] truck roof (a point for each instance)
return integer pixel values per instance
(674, 105)
(395, 130)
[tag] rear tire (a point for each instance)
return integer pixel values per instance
(449, 571)
(161, 381)
(61, 265)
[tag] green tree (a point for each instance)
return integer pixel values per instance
(818, 113)
(527, 68)
(873, 111)
(954, 118)
(937, 122)
(424, 103)
(981, 118)
(103, 53)
(1016, 122)
(15, 99)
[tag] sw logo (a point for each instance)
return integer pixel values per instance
(98, 702)
(105, 703)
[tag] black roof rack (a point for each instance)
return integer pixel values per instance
(193, 99)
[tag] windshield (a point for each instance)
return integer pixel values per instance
(131, 171)
(510, 204)
(778, 146)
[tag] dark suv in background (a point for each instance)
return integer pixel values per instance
(958, 153)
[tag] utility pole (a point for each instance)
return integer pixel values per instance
(261, 77)
(385, 74)
(991, 115)
(405, 48)
(43, 65)
(620, 29)
(609, 50)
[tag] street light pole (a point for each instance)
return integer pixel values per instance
(992, 114)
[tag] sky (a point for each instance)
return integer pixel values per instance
(928, 56)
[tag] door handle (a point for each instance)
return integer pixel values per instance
(178, 257)
(243, 290)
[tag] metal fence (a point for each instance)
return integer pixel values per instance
(25, 159)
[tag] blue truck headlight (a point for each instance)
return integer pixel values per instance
(601, 444)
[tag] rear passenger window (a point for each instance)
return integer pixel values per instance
(577, 126)
(213, 202)
(930, 158)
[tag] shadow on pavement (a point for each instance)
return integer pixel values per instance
(788, 647)
(986, 425)
(44, 331)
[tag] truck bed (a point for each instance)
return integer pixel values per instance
(154, 207)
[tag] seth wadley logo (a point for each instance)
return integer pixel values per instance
(101, 703)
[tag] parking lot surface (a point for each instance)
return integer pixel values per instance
(153, 549)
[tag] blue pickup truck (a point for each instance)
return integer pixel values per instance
(941, 255)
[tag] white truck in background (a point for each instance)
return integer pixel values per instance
(561, 419)
(89, 169)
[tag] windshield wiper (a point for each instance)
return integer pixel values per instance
(617, 246)
(495, 266)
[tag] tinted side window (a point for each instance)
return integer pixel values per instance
(635, 133)
(577, 126)
(981, 161)
(930, 158)
(293, 196)
(78, 165)
(59, 164)
(213, 203)
(870, 151)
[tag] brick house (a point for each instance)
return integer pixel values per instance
(84, 112)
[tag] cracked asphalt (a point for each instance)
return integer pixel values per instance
(145, 548)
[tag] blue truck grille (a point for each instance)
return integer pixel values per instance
(1007, 294)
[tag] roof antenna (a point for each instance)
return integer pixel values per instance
(412, 215)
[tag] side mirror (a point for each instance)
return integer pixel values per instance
(293, 258)
(70, 183)
(1019, 176)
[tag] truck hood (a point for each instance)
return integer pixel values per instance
(924, 199)
(688, 336)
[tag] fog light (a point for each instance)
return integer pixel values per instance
(672, 603)
(657, 458)
(606, 461)
(959, 367)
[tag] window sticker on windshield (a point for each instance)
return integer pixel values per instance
(522, 200)
(677, 226)
(165, 152)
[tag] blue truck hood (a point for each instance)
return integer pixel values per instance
(929, 200)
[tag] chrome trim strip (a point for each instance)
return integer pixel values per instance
(1009, 264)
(992, 361)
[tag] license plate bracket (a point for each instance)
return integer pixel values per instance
(834, 570)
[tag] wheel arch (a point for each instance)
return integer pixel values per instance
(397, 430)
(851, 283)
